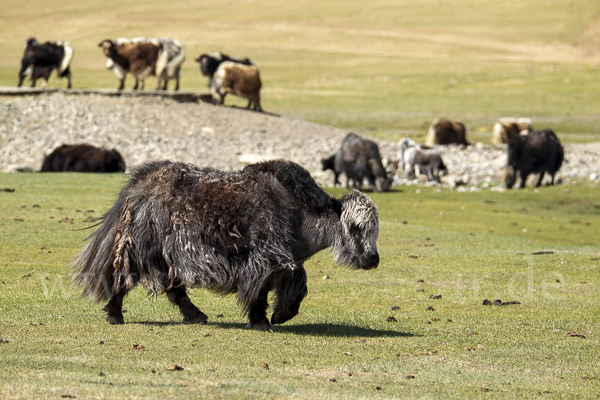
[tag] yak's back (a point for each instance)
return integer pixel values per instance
(232, 211)
(296, 180)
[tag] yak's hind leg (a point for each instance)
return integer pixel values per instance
(191, 314)
(290, 290)
(114, 309)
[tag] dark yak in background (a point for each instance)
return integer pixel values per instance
(175, 226)
(83, 158)
(358, 158)
(538, 151)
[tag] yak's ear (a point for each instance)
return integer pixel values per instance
(337, 207)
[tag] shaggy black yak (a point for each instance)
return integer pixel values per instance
(175, 226)
(538, 151)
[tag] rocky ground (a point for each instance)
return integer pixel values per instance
(154, 128)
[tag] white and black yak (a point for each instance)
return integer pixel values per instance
(176, 226)
(538, 151)
(40, 59)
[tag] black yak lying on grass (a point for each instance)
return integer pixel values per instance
(175, 226)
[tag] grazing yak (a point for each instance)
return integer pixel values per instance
(40, 59)
(231, 75)
(249, 232)
(446, 131)
(168, 64)
(507, 128)
(429, 161)
(83, 158)
(138, 59)
(538, 151)
(358, 158)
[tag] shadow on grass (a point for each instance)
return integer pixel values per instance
(332, 330)
(156, 323)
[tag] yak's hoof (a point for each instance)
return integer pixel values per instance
(115, 319)
(280, 318)
(259, 326)
(276, 319)
(201, 319)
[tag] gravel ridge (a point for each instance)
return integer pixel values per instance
(226, 138)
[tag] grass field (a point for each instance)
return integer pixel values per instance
(465, 246)
(386, 68)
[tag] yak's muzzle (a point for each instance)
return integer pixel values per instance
(369, 261)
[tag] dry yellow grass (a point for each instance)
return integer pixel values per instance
(386, 66)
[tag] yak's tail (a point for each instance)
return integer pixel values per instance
(161, 62)
(108, 249)
(177, 61)
(67, 57)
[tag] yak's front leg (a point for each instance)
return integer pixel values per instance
(290, 291)
(258, 310)
(539, 181)
(191, 314)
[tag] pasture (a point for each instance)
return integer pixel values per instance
(385, 69)
(467, 247)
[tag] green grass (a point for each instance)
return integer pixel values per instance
(444, 238)
(383, 68)
(386, 68)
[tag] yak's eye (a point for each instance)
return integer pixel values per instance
(354, 230)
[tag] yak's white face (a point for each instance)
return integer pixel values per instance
(360, 224)
(106, 45)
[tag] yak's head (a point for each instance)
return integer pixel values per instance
(328, 163)
(356, 246)
(516, 147)
(209, 63)
(31, 42)
(384, 183)
(510, 177)
(107, 46)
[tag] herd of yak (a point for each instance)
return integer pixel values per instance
(248, 232)
(529, 151)
(359, 159)
(143, 56)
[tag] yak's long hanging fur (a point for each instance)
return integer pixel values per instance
(171, 219)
